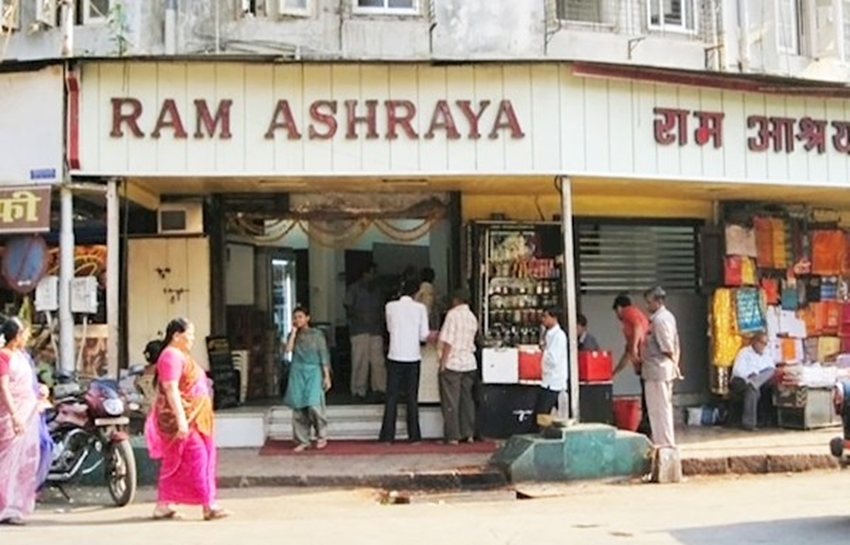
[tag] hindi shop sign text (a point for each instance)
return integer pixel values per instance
(781, 134)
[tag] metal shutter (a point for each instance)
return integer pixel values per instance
(618, 257)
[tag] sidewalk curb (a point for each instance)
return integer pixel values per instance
(757, 464)
(485, 478)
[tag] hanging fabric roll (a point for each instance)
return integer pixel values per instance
(725, 341)
(733, 270)
(749, 309)
(741, 241)
(764, 242)
(779, 239)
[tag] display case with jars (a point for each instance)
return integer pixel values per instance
(520, 280)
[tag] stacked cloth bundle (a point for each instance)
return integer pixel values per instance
(725, 339)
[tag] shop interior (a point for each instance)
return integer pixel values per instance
(311, 258)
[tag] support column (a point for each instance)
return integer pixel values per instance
(113, 277)
(569, 278)
(66, 275)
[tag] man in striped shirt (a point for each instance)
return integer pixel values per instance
(457, 370)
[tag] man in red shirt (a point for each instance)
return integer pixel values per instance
(635, 326)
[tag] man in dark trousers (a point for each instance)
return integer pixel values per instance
(635, 327)
(407, 323)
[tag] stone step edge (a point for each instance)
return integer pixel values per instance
(483, 479)
(757, 464)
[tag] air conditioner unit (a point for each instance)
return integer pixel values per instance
(180, 218)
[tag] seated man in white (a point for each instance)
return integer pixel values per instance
(753, 371)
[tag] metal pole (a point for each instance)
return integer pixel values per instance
(571, 294)
(113, 277)
(66, 275)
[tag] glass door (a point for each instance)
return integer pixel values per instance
(282, 293)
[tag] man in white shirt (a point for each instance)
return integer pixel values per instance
(554, 363)
(407, 323)
(457, 370)
(752, 372)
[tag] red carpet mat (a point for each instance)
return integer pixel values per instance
(374, 448)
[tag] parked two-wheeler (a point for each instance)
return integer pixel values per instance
(840, 446)
(89, 431)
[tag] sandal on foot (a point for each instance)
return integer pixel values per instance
(14, 521)
(321, 443)
(300, 448)
(167, 514)
(216, 514)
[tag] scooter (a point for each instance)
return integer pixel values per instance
(840, 446)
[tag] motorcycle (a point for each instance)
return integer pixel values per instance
(89, 430)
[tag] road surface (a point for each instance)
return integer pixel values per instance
(783, 509)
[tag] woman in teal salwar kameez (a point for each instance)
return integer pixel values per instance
(309, 379)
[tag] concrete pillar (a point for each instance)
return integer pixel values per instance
(113, 277)
(323, 278)
(66, 275)
(569, 278)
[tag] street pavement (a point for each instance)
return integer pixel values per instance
(779, 509)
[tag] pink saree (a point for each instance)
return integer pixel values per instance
(19, 454)
(187, 472)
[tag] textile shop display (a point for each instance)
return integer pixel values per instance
(787, 276)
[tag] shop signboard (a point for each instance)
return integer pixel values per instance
(24, 210)
(229, 119)
(32, 126)
(232, 119)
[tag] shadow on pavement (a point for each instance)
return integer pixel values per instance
(833, 529)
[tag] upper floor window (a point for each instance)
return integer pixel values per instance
(95, 11)
(672, 15)
(386, 6)
(789, 16)
(294, 7)
(582, 11)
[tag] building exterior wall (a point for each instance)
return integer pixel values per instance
(31, 127)
(735, 36)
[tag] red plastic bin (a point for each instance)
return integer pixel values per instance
(595, 366)
(530, 364)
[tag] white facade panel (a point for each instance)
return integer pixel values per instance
(31, 127)
(206, 119)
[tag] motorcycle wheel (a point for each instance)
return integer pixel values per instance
(121, 473)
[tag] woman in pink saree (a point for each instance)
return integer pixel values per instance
(179, 428)
(20, 433)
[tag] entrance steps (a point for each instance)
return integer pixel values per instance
(356, 422)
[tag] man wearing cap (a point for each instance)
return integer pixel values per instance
(660, 366)
(457, 370)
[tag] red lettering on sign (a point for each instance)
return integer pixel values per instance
(282, 118)
(841, 138)
(672, 126)
(169, 117)
(442, 119)
(472, 117)
(205, 120)
(510, 122)
(813, 133)
(761, 141)
(353, 119)
(323, 112)
(710, 128)
(131, 118)
(405, 121)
